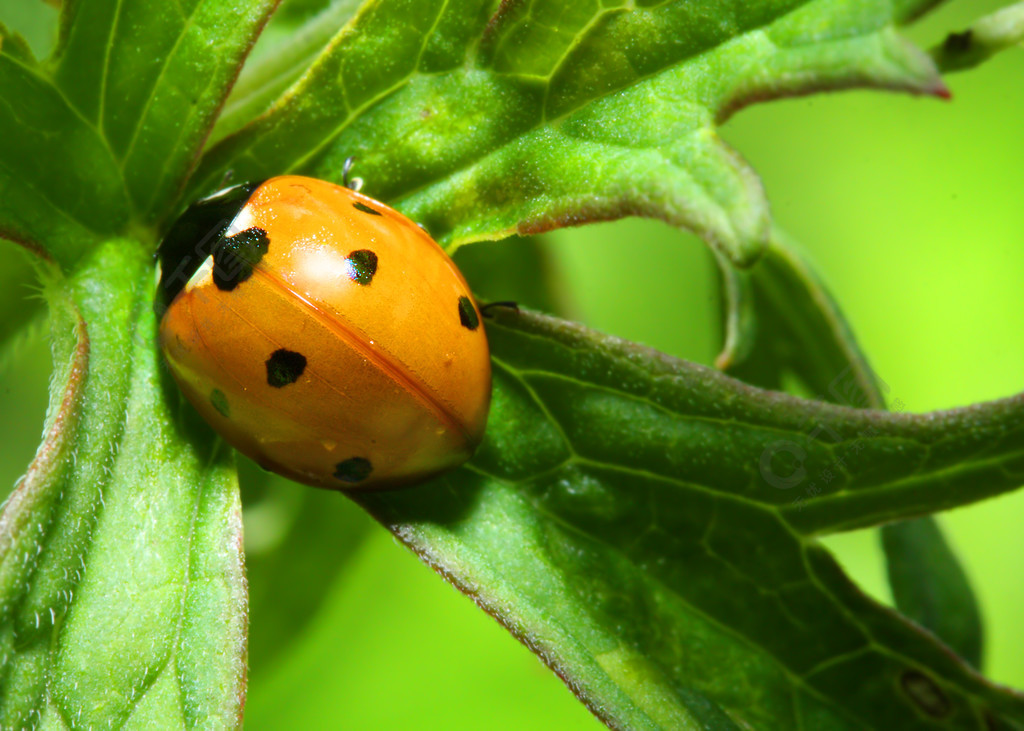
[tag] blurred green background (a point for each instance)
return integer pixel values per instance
(914, 211)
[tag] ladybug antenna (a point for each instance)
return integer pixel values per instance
(355, 184)
(506, 304)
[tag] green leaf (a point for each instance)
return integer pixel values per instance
(45, 205)
(165, 72)
(622, 520)
(930, 586)
(125, 103)
(997, 32)
(122, 594)
(544, 115)
(789, 326)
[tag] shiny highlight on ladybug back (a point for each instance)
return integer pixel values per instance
(323, 334)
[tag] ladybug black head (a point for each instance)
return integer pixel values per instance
(194, 236)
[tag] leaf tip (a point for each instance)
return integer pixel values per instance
(940, 90)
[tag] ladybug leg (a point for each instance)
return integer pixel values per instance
(355, 184)
(507, 304)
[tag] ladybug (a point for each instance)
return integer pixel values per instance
(323, 334)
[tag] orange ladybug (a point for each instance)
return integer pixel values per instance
(323, 334)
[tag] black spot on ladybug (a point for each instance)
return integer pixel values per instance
(362, 266)
(234, 257)
(366, 209)
(925, 694)
(352, 470)
(467, 314)
(220, 402)
(284, 367)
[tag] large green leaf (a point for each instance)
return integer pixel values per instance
(122, 594)
(481, 124)
(640, 537)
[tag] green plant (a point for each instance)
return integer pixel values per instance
(626, 508)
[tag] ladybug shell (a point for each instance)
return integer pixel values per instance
(325, 336)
